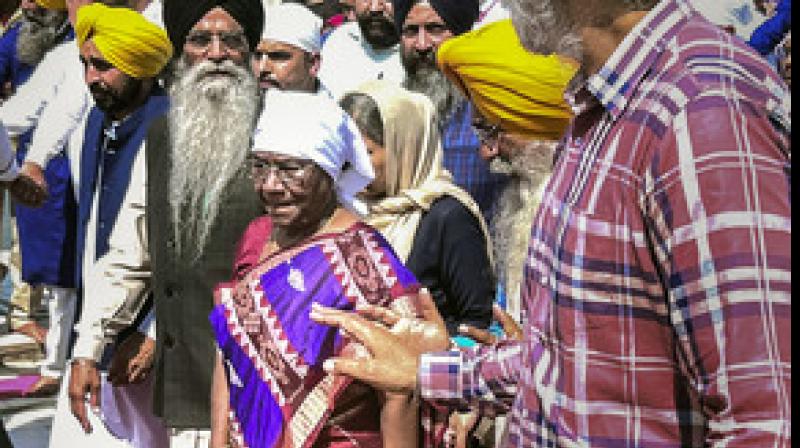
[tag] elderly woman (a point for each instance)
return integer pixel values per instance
(434, 226)
(308, 164)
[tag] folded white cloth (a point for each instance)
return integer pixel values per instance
(315, 128)
(293, 24)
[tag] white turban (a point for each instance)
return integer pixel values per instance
(311, 127)
(293, 24)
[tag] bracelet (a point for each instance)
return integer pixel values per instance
(84, 362)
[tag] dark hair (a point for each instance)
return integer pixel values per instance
(366, 114)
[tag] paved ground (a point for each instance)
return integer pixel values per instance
(26, 420)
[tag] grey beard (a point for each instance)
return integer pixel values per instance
(35, 40)
(431, 82)
(511, 224)
(212, 123)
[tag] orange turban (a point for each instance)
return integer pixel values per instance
(520, 91)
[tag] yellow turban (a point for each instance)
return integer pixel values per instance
(52, 4)
(520, 91)
(125, 38)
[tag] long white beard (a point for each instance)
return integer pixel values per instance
(212, 122)
(511, 225)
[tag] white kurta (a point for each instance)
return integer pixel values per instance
(348, 61)
(115, 285)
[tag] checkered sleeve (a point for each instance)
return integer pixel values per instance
(483, 378)
(720, 212)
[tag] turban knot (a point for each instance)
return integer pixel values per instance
(520, 91)
(52, 4)
(459, 15)
(180, 16)
(125, 38)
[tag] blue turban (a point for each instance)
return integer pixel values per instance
(459, 15)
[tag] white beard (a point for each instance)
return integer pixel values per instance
(212, 122)
(35, 39)
(511, 224)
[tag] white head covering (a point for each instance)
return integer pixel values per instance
(312, 127)
(293, 24)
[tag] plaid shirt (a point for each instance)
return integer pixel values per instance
(462, 159)
(658, 289)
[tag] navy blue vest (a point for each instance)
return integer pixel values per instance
(117, 164)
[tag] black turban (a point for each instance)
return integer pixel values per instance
(458, 15)
(180, 16)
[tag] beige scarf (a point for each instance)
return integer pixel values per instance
(415, 175)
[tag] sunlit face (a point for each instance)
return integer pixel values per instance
(113, 90)
(376, 20)
(422, 34)
(377, 155)
(292, 190)
(216, 37)
(285, 67)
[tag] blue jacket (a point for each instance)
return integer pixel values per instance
(767, 36)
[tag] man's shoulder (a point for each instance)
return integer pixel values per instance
(10, 35)
(703, 63)
(345, 36)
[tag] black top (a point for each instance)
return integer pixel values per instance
(449, 257)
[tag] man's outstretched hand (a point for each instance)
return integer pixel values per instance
(29, 188)
(394, 342)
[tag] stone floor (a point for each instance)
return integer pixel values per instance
(27, 420)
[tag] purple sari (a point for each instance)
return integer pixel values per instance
(273, 352)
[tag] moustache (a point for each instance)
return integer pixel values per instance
(218, 69)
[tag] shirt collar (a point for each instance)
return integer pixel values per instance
(614, 85)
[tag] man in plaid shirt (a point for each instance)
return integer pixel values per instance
(658, 289)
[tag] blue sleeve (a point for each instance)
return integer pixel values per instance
(8, 44)
(767, 36)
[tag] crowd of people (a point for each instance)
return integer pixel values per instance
(402, 223)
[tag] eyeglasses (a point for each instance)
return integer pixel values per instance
(230, 40)
(486, 133)
(288, 172)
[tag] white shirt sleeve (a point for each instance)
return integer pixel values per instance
(8, 163)
(116, 285)
(21, 112)
(59, 119)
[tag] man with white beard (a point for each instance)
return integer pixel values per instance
(26, 43)
(658, 280)
(200, 196)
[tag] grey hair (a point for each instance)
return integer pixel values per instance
(534, 21)
(365, 112)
